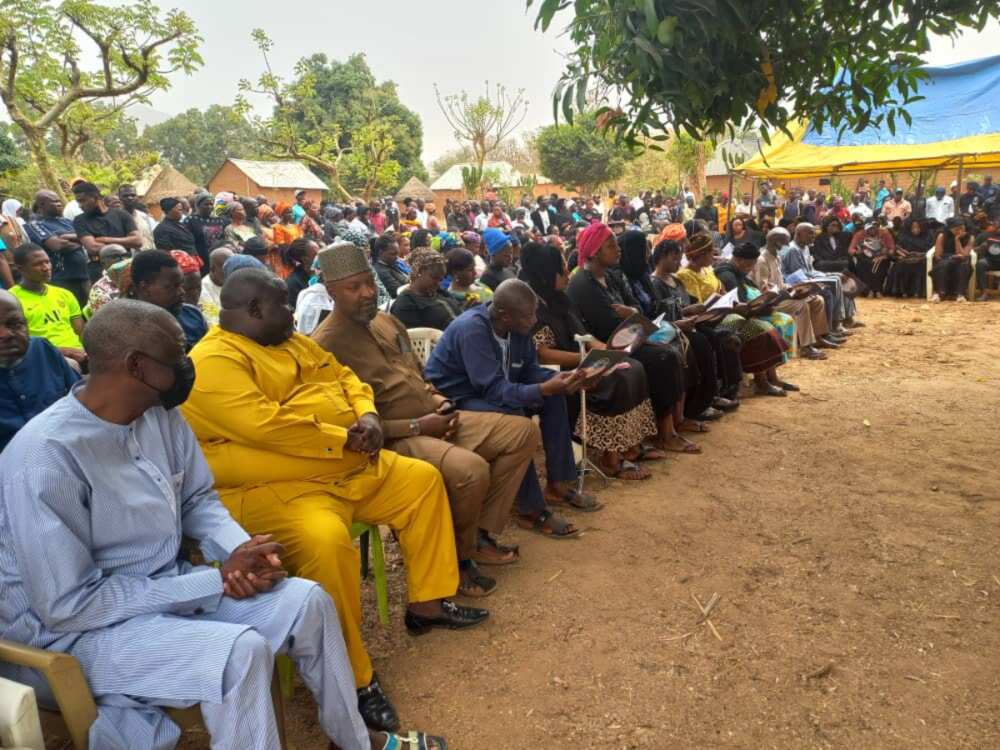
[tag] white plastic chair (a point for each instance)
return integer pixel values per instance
(970, 293)
(20, 726)
(423, 341)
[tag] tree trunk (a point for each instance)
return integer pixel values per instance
(701, 183)
(36, 142)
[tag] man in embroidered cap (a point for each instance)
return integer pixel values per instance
(483, 456)
(501, 252)
(294, 441)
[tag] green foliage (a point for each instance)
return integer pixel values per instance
(370, 168)
(76, 65)
(580, 155)
(197, 142)
(472, 180)
(11, 157)
(710, 67)
(110, 175)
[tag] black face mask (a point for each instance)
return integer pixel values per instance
(178, 393)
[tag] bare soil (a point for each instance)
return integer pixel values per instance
(850, 531)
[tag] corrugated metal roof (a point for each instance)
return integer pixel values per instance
(280, 174)
(509, 177)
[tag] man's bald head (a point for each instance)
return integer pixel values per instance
(216, 262)
(13, 329)
(513, 308)
(514, 295)
(47, 203)
(126, 325)
(254, 303)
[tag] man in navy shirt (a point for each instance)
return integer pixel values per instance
(48, 228)
(486, 361)
(33, 374)
(157, 279)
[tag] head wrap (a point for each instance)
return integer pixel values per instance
(281, 207)
(495, 241)
(471, 238)
(425, 260)
(201, 198)
(870, 225)
(167, 204)
(224, 197)
(188, 263)
(10, 207)
(236, 262)
(699, 244)
(120, 275)
(674, 232)
(255, 246)
(355, 236)
(589, 241)
(804, 225)
(232, 206)
(747, 251)
(342, 259)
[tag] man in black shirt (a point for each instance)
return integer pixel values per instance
(171, 234)
(98, 226)
(501, 252)
(49, 229)
(707, 212)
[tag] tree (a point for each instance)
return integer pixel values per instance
(43, 80)
(370, 167)
(351, 98)
(849, 65)
(580, 155)
(483, 123)
(197, 142)
(520, 154)
(10, 156)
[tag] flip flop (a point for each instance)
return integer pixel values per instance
(548, 525)
(692, 425)
(688, 447)
(628, 471)
(577, 501)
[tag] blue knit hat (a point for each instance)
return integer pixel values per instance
(240, 261)
(495, 241)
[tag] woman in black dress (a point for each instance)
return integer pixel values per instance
(830, 250)
(619, 414)
(604, 301)
(908, 275)
(424, 304)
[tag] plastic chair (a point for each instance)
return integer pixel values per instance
(970, 293)
(423, 341)
(19, 723)
(76, 707)
(369, 538)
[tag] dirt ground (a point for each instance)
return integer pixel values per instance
(849, 531)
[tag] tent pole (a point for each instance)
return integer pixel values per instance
(753, 189)
(961, 171)
(729, 203)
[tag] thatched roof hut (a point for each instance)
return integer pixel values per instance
(415, 189)
(163, 182)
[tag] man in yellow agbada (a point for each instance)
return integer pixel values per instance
(294, 442)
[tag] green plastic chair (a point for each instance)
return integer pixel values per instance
(369, 539)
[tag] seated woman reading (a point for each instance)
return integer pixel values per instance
(763, 348)
(908, 275)
(604, 300)
(619, 413)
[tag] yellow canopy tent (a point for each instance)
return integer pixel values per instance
(955, 125)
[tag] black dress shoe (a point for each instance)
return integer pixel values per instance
(726, 404)
(453, 617)
(375, 709)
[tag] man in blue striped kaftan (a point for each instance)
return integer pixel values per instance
(95, 495)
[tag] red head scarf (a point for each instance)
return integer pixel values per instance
(188, 263)
(589, 241)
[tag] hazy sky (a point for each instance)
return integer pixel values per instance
(458, 44)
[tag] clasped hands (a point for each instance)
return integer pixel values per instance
(365, 436)
(253, 568)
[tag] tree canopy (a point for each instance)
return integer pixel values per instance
(483, 123)
(197, 142)
(79, 62)
(580, 155)
(711, 67)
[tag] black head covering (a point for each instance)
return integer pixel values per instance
(634, 263)
(167, 204)
(540, 264)
(747, 251)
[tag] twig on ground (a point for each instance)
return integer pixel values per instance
(823, 671)
(946, 617)
(678, 637)
(705, 611)
(802, 540)
(914, 678)
(554, 577)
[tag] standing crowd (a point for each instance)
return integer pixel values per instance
(245, 376)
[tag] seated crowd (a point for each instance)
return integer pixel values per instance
(283, 334)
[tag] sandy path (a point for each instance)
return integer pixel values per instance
(853, 525)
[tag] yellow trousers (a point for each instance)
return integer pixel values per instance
(311, 515)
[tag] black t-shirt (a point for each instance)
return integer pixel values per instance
(494, 277)
(112, 223)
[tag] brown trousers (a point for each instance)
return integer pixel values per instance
(810, 318)
(482, 465)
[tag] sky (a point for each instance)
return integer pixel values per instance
(458, 44)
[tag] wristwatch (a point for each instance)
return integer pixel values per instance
(414, 427)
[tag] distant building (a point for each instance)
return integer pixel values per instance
(276, 180)
(449, 184)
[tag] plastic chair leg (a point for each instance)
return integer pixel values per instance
(286, 675)
(381, 584)
(364, 540)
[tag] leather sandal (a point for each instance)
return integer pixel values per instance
(414, 741)
(549, 525)
(474, 584)
(577, 501)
